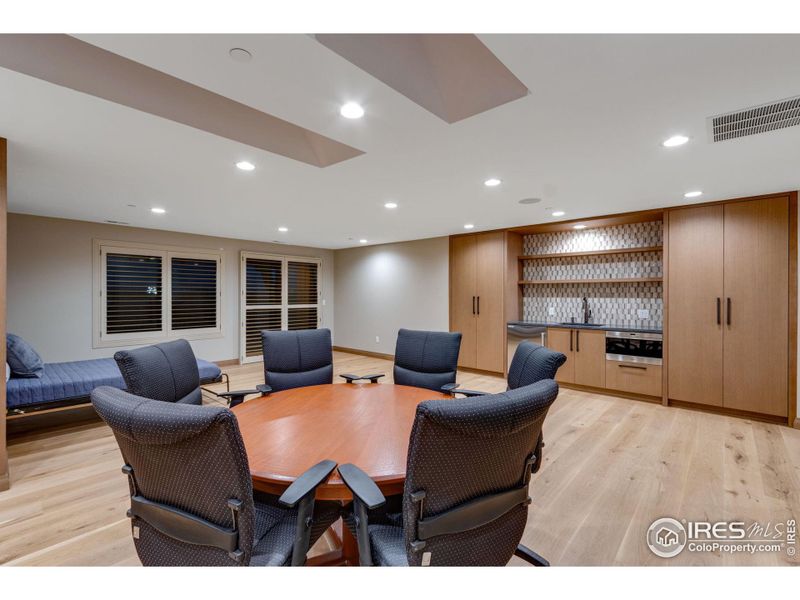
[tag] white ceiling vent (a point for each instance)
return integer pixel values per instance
(759, 119)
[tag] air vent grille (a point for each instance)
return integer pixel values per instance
(759, 119)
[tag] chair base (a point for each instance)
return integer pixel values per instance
(530, 556)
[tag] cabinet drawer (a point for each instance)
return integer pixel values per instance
(635, 378)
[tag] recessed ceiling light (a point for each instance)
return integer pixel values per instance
(240, 55)
(158, 211)
(391, 205)
(283, 229)
(579, 226)
(530, 200)
(558, 213)
(675, 140)
(245, 165)
(351, 110)
(362, 241)
(492, 182)
(469, 226)
(693, 194)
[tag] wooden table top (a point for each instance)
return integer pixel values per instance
(367, 424)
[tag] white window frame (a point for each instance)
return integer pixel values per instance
(284, 305)
(101, 339)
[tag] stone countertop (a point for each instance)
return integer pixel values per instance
(603, 327)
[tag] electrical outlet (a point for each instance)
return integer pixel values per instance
(643, 313)
(551, 311)
(377, 339)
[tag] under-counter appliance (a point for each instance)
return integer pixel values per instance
(519, 332)
(634, 347)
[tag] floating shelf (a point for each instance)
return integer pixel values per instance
(556, 281)
(592, 253)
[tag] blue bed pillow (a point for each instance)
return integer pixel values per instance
(22, 358)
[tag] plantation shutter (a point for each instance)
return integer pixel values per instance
(263, 300)
(134, 294)
(303, 297)
(195, 293)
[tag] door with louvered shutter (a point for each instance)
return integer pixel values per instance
(302, 305)
(262, 301)
(134, 304)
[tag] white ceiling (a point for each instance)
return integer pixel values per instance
(587, 139)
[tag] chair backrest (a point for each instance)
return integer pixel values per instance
(166, 372)
(426, 359)
(532, 363)
(185, 458)
(295, 359)
(471, 460)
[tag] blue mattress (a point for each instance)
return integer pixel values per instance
(72, 380)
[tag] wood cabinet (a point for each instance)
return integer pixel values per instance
(728, 305)
(585, 350)
(477, 299)
(636, 378)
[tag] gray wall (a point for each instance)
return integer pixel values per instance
(380, 289)
(50, 283)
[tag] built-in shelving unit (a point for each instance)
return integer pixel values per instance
(592, 253)
(615, 280)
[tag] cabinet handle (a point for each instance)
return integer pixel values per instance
(729, 311)
(578, 340)
(473, 305)
(570, 340)
(479, 305)
(632, 367)
(719, 311)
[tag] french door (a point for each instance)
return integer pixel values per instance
(277, 293)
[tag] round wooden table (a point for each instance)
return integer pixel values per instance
(366, 424)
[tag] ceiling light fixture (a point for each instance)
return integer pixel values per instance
(469, 226)
(390, 205)
(362, 241)
(158, 211)
(283, 229)
(351, 110)
(530, 200)
(675, 140)
(245, 166)
(558, 213)
(579, 226)
(693, 194)
(492, 182)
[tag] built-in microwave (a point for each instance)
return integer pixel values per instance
(633, 346)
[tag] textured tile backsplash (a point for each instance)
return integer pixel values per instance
(611, 303)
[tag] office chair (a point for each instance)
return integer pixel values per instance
(465, 499)
(192, 498)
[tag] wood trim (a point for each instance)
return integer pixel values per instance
(592, 253)
(365, 353)
(730, 412)
(640, 216)
(5, 480)
(665, 320)
(796, 424)
(230, 362)
(792, 395)
(610, 392)
(629, 280)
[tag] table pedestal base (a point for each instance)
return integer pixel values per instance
(345, 555)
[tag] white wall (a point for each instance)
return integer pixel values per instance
(380, 289)
(50, 283)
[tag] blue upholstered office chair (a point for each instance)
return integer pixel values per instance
(465, 500)
(166, 372)
(426, 359)
(297, 358)
(531, 363)
(192, 500)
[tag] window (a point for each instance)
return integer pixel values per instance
(278, 293)
(149, 293)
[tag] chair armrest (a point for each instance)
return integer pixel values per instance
(449, 388)
(264, 388)
(350, 377)
(469, 393)
(238, 393)
(237, 397)
(374, 378)
(362, 487)
(306, 483)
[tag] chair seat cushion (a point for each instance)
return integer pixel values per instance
(388, 545)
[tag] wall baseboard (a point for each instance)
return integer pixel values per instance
(5, 482)
(231, 362)
(364, 353)
(796, 424)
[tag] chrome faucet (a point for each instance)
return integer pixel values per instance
(587, 314)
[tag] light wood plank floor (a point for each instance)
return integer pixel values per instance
(611, 467)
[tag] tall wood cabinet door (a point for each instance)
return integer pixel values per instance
(490, 280)
(463, 296)
(695, 279)
(757, 323)
(590, 357)
(563, 340)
